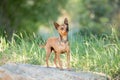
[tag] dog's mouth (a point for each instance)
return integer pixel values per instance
(64, 33)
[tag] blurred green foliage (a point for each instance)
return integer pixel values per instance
(27, 15)
(93, 16)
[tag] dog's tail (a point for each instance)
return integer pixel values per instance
(42, 46)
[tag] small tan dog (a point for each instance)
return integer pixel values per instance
(59, 45)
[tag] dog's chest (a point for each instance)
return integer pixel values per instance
(63, 47)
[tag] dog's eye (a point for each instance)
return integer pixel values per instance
(61, 28)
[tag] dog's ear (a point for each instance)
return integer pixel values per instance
(66, 21)
(56, 25)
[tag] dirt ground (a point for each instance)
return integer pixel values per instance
(14, 71)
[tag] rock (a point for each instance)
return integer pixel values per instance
(14, 71)
(4, 75)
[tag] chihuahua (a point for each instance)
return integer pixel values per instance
(59, 45)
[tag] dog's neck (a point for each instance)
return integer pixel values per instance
(63, 39)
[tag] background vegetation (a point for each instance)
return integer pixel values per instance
(95, 46)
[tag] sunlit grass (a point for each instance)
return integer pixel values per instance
(88, 53)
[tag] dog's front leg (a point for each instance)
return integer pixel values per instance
(55, 60)
(60, 63)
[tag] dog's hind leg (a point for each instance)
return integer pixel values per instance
(48, 52)
(68, 60)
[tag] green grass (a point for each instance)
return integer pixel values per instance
(87, 53)
(97, 54)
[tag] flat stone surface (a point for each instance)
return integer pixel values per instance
(14, 71)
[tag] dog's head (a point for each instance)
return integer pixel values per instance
(62, 29)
